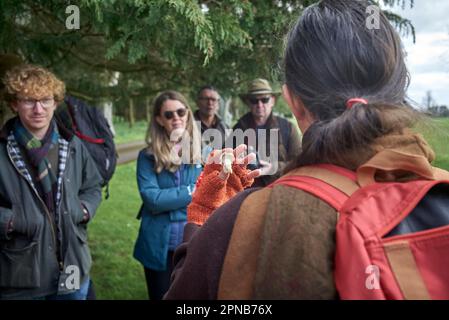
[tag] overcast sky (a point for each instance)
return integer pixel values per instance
(428, 58)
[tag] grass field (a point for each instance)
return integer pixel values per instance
(123, 133)
(437, 135)
(116, 274)
(113, 231)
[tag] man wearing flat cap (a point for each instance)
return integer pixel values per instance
(260, 98)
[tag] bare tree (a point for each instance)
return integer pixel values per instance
(429, 101)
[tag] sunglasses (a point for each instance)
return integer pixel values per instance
(170, 114)
(255, 101)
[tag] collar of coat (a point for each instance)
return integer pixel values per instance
(406, 143)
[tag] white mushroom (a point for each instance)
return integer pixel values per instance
(227, 162)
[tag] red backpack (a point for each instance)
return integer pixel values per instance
(368, 264)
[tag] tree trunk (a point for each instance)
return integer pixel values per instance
(107, 109)
(225, 113)
(5, 113)
(2, 113)
(148, 109)
(131, 113)
(235, 110)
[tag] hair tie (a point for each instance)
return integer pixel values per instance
(351, 102)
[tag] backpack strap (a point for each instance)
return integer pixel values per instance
(406, 271)
(332, 184)
(71, 112)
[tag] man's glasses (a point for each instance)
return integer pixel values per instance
(208, 99)
(255, 101)
(30, 103)
(170, 114)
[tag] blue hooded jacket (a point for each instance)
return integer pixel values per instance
(165, 199)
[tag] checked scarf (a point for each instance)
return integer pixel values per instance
(37, 151)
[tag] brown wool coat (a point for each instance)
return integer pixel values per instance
(269, 243)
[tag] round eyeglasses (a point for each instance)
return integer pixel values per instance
(31, 103)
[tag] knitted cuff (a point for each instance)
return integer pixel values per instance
(209, 195)
(197, 213)
(211, 191)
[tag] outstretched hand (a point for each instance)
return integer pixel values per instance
(236, 158)
(224, 175)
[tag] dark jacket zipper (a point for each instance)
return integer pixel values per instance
(58, 209)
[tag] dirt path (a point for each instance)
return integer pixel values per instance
(128, 152)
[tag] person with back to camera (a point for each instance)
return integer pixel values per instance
(345, 85)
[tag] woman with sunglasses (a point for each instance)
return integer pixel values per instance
(167, 170)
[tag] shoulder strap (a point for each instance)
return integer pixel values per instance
(71, 111)
(335, 185)
(330, 183)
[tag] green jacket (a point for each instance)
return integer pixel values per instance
(29, 263)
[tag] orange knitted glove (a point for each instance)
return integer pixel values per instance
(212, 191)
(237, 181)
(208, 195)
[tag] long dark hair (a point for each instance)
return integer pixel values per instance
(332, 56)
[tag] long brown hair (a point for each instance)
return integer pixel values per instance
(332, 56)
(158, 140)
